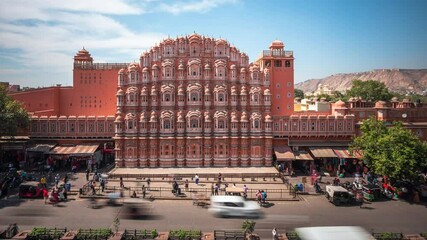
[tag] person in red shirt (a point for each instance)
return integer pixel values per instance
(45, 195)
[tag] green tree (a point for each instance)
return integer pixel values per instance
(392, 151)
(369, 90)
(12, 115)
(298, 93)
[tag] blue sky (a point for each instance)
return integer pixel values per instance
(38, 38)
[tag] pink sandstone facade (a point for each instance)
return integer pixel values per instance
(196, 101)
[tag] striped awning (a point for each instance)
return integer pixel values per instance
(344, 153)
(302, 155)
(322, 152)
(284, 153)
(78, 150)
(45, 148)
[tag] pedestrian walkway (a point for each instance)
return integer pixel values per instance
(161, 180)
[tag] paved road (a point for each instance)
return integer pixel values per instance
(170, 214)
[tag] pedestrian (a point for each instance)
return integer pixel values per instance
(65, 178)
(186, 184)
(359, 197)
(87, 174)
(275, 234)
(263, 196)
(102, 183)
(121, 183)
(45, 195)
(57, 177)
(219, 177)
(93, 186)
(143, 191)
(245, 189)
(216, 189)
(196, 178)
(43, 181)
(148, 184)
(212, 189)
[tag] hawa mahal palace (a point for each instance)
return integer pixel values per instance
(197, 101)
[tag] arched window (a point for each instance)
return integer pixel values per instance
(287, 63)
(166, 124)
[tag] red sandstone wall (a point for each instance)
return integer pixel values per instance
(284, 105)
(94, 93)
(40, 101)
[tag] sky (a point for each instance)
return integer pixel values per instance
(38, 38)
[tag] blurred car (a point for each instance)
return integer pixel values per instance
(333, 233)
(136, 208)
(234, 206)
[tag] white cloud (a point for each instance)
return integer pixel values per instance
(193, 6)
(42, 36)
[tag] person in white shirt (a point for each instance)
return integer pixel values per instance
(275, 234)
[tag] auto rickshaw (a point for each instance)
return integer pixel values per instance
(339, 195)
(30, 190)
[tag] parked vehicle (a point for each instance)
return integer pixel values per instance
(30, 190)
(339, 195)
(371, 192)
(234, 206)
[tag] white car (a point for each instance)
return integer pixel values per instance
(234, 206)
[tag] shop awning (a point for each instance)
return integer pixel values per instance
(322, 152)
(344, 153)
(284, 153)
(82, 150)
(44, 148)
(302, 155)
(78, 150)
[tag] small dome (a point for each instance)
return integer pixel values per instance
(406, 100)
(268, 118)
(233, 67)
(394, 99)
(121, 71)
(340, 104)
(118, 119)
(181, 66)
(180, 90)
(243, 91)
(351, 99)
(380, 104)
(207, 66)
(142, 118)
(207, 92)
(254, 68)
(145, 69)
(267, 91)
(207, 117)
(234, 117)
(144, 91)
(155, 66)
(133, 66)
(243, 118)
(153, 90)
(277, 43)
(153, 117)
(180, 117)
(120, 92)
(242, 70)
(233, 90)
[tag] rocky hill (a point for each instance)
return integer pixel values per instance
(397, 80)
